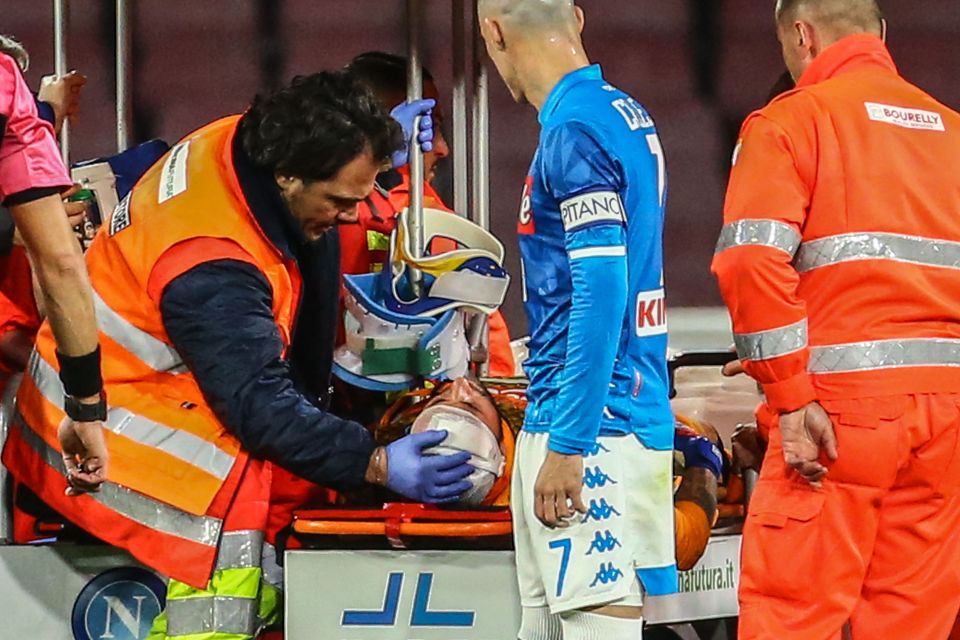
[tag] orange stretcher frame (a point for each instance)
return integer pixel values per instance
(397, 521)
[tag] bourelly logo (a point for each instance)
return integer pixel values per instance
(120, 604)
(906, 118)
(525, 224)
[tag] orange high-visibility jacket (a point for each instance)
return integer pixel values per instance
(173, 467)
(840, 252)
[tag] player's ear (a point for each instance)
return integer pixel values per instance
(494, 34)
(581, 19)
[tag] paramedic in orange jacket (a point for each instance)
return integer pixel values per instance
(363, 246)
(838, 262)
(216, 281)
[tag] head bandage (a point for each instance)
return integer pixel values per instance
(468, 277)
(465, 432)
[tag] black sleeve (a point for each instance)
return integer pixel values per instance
(29, 195)
(219, 317)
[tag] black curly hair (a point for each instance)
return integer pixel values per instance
(317, 124)
(385, 73)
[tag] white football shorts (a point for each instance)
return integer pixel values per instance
(628, 490)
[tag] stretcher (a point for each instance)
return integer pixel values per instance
(411, 564)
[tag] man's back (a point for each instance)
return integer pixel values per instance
(878, 170)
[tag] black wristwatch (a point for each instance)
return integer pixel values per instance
(84, 412)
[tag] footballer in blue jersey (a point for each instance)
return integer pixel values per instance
(592, 488)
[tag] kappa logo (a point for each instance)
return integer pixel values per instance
(904, 117)
(608, 573)
(597, 449)
(596, 478)
(120, 219)
(600, 511)
(119, 604)
(591, 208)
(525, 226)
(603, 542)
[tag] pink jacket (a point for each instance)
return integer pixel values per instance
(29, 157)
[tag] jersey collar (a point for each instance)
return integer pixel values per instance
(567, 82)
(853, 53)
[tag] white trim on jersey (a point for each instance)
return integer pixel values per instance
(598, 252)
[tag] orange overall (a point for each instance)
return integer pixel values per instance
(838, 261)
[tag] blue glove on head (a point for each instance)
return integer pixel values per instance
(699, 452)
(406, 114)
(426, 478)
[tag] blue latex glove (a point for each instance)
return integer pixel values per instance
(699, 452)
(406, 113)
(426, 478)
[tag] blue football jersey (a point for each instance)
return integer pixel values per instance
(591, 242)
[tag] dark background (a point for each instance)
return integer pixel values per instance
(699, 66)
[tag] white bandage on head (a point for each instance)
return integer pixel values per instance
(465, 432)
(593, 626)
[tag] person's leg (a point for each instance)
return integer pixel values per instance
(602, 624)
(912, 586)
(806, 550)
(537, 622)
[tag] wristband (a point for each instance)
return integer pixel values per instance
(80, 375)
(83, 412)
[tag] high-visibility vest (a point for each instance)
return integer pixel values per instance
(174, 466)
(839, 255)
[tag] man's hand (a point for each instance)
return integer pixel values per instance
(748, 448)
(405, 468)
(805, 433)
(84, 455)
(558, 488)
(63, 94)
(76, 211)
(406, 115)
(732, 368)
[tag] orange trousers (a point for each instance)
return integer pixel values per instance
(877, 547)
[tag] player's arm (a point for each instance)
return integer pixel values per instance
(766, 205)
(587, 184)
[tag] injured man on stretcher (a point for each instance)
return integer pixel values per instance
(484, 419)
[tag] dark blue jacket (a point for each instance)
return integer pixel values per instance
(219, 317)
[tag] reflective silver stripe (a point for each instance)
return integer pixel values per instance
(211, 614)
(885, 354)
(766, 233)
(155, 353)
(877, 246)
(133, 505)
(240, 550)
(766, 345)
(272, 571)
(183, 445)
